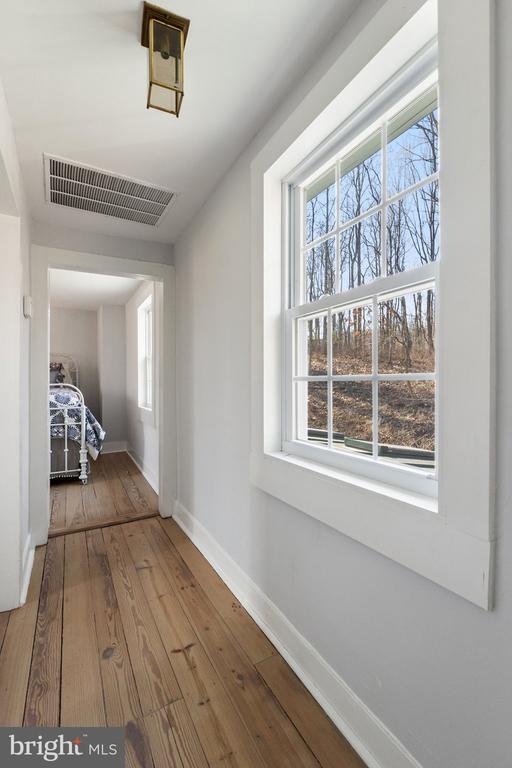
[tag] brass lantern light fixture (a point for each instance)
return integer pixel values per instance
(165, 35)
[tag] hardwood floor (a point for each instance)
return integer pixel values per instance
(117, 492)
(129, 625)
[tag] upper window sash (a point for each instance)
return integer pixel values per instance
(371, 211)
(369, 152)
(414, 79)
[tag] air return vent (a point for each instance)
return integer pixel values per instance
(90, 189)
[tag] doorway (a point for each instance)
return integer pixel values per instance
(137, 492)
(103, 397)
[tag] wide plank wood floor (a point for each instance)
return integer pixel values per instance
(130, 626)
(117, 492)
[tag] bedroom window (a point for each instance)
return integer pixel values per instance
(145, 353)
(361, 324)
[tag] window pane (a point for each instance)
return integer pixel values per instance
(144, 353)
(413, 148)
(320, 270)
(413, 230)
(360, 253)
(149, 332)
(407, 422)
(312, 411)
(312, 346)
(352, 341)
(360, 179)
(352, 416)
(407, 333)
(321, 207)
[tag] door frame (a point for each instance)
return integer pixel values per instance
(43, 259)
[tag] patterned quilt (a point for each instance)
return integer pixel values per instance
(94, 432)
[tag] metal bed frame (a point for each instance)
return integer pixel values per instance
(67, 420)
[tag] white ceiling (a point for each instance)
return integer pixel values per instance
(83, 290)
(75, 77)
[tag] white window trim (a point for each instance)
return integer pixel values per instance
(450, 541)
(146, 410)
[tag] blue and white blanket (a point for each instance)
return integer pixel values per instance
(94, 432)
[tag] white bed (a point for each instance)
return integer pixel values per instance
(75, 434)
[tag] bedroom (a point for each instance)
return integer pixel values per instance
(103, 398)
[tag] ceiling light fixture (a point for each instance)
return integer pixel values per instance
(165, 35)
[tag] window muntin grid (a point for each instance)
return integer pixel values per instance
(368, 362)
(373, 210)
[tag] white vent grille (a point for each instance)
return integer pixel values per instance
(90, 189)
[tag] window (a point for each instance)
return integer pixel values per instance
(145, 353)
(437, 522)
(361, 325)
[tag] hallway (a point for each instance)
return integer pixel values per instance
(129, 625)
(116, 492)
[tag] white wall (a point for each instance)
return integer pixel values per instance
(143, 441)
(112, 374)
(15, 549)
(75, 332)
(70, 239)
(434, 668)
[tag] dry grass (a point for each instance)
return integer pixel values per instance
(406, 409)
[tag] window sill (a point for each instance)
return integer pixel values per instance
(385, 476)
(400, 524)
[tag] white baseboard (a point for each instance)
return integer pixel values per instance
(114, 446)
(148, 473)
(371, 739)
(27, 561)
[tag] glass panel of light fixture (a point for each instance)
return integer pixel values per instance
(166, 63)
(163, 98)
